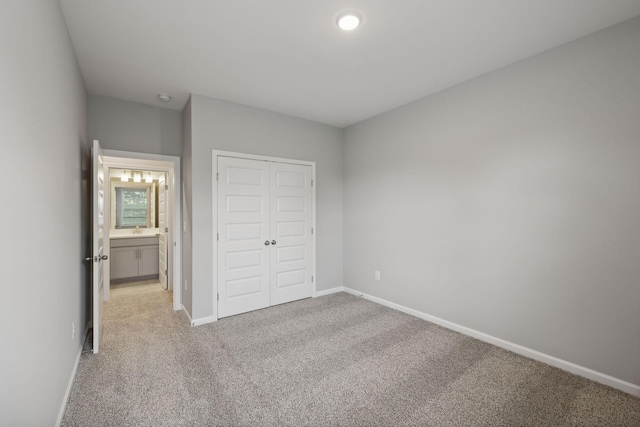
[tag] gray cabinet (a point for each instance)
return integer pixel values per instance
(134, 259)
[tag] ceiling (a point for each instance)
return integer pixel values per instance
(288, 56)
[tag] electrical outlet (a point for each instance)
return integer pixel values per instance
(73, 330)
(185, 284)
(377, 275)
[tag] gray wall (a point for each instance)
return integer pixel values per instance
(227, 126)
(187, 172)
(130, 126)
(510, 204)
(44, 146)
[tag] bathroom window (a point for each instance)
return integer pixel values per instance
(132, 207)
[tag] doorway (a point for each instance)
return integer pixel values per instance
(153, 219)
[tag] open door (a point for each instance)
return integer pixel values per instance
(98, 242)
(163, 228)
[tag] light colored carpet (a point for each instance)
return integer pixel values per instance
(336, 360)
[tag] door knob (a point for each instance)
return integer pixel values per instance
(89, 259)
(103, 257)
(267, 243)
(273, 242)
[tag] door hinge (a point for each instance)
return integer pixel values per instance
(166, 272)
(166, 229)
(312, 183)
(166, 186)
(311, 230)
(218, 236)
(311, 279)
(217, 175)
(218, 297)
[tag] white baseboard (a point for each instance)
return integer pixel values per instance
(63, 406)
(203, 321)
(627, 387)
(200, 321)
(329, 291)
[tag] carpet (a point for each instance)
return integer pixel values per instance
(336, 360)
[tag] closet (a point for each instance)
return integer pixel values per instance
(264, 233)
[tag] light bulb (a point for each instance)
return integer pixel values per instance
(137, 177)
(124, 177)
(148, 178)
(349, 21)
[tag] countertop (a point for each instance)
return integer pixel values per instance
(129, 234)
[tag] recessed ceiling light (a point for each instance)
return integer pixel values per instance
(164, 98)
(349, 20)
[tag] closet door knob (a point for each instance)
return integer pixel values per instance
(266, 242)
(273, 242)
(103, 257)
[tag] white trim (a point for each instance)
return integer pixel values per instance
(188, 315)
(67, 393)
(214, 226)
(599, 377)
(171, 165)
(214, 212)
(265, 158)
(329, 291)
(203, 321)
(200, 321)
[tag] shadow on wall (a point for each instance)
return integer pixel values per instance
(85, 234)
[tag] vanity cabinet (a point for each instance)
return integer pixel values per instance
(134, 259)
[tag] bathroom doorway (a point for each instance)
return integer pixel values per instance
(143, 221)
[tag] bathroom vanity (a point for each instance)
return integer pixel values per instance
(134, 258)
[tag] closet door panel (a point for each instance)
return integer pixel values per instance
(243, 228)
(291, 222)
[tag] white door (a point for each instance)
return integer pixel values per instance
(243, 235)
(162, 225)
(98, 239)
(291, 222)
(264, 234)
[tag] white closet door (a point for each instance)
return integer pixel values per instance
(291, 222)
(243, 228)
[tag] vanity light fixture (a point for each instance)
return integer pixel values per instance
(137, 177)
(148, 179)
(349, 21)
(124, 177)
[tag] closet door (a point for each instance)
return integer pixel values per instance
(244, 230)
(291, 222)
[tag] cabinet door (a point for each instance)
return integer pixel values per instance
(124, 262)
(148, 260)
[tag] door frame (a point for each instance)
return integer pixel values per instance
(163, 163)
(214, 213)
